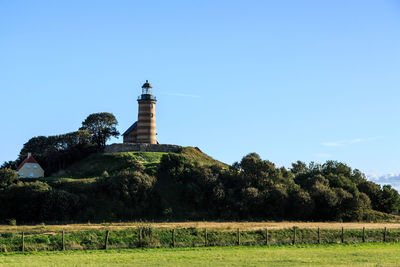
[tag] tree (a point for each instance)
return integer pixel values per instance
(301, 204)
(24, 201)
(390, 202)
(131, 191)
(299, 167)
(38, 146)
(7, 177)
(57, 152)
(374, 192)
(102, 126)
(11, 164)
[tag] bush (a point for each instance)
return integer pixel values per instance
(12, 222)
(8, 177)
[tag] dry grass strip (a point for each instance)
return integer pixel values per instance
(224, 226)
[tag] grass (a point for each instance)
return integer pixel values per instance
(223, 226)
(372, 254)
(186, 237)
(194, 154)
(96, 164)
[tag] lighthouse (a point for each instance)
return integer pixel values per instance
(144, 129)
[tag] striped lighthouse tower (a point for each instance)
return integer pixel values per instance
(146, 123)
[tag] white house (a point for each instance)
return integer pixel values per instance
(30, 168)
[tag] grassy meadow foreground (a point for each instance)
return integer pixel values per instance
(190, 234)
(371, 254)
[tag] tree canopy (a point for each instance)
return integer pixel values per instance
(57, 152)
(180, 188)
(102, 126)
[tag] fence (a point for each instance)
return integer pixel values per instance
(188, 237)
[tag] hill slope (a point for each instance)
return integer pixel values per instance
(96, 164)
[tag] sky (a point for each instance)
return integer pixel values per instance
(292, 80)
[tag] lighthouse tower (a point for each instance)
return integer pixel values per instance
(144, 130)
(146, 124)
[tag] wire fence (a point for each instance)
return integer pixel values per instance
(187, 237)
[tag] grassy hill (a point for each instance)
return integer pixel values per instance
(96, 164)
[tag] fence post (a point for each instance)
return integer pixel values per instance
(151, 235)
(342, 235)
(63, 241)
(140, 237)
(266, 236)
(23, 242)
(205, 237)
(173, 238)
(363, 238)
(294, 235)
(384, 235)
(106, 240)
(319, 236)
(238, 237)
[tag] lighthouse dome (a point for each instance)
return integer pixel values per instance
(147, 85)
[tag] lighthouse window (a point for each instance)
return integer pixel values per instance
(28, 166)
(34, 166)
(151, 115)
(31, 174)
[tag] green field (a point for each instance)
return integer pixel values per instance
(370, 254)
(146, 237)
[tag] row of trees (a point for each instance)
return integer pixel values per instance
(57, 152)
(180, 189)
(255, 189)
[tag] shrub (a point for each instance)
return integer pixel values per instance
(12, 222)
(8, 177)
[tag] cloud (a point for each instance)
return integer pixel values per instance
(339, 143)
(322, 155)
(392, 179)
(386, 177)
(346, 142)
(184, 95)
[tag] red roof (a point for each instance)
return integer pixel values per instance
(27, 160)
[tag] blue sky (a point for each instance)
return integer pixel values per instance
(290, 80)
